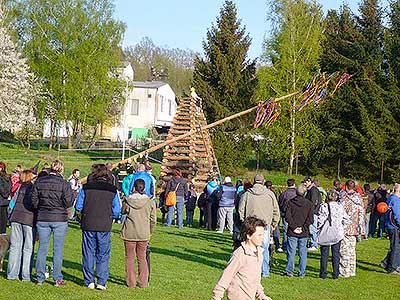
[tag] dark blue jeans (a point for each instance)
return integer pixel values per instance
(335, 260)
(45, 229)
(392, 259)
(375, 217)
(96, 247)
(293, 243)
(189, 217)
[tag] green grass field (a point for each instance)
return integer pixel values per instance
(186, 263)
(14, 154)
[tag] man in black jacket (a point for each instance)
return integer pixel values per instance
(299, 216)
(284, 198)
(51, 197)
(314, 196)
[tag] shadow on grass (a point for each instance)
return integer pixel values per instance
(278, 267)
(199, 257)
(79, 280)
(204, 235)
(364, 265)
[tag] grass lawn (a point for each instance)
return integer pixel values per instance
(13, 154)
(186, 263)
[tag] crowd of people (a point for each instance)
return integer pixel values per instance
(303, 218)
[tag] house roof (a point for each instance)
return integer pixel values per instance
(148, 84)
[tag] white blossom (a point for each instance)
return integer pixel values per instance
(18, 87)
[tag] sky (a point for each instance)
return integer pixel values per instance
(183, 23)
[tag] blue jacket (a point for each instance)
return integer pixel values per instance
(116, 204)
(148, 181)
(126, 184)
(228, 195)
(394, 203)
(211, 187)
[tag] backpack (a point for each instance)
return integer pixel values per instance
(170, 199)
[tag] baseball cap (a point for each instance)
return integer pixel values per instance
(307, 178)
(227, 179)
(259, 178)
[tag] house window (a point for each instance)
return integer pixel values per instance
(170, 107)
(134, 107)
(162, 103)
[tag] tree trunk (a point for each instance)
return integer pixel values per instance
(292, 138)
(338, 169)
(52, 129)
(297, 163)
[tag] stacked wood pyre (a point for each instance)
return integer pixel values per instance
(193, 155)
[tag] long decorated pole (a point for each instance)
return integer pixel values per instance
(166, 143)
(216, 123)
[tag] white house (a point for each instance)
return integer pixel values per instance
(149, 104)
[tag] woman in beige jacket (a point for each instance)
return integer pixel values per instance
(241, 279)
(139, 224)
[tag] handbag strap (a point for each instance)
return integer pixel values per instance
(177, 186)
(329, 215)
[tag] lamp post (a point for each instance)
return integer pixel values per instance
(124, 120)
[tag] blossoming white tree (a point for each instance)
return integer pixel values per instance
(18, 88)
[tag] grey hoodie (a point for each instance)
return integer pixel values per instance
(260, 202)
(141, 217)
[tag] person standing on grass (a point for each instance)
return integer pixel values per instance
(380, 195)
(331, 214)
(190, 204)
(51, 197)
(140, 223)
(146, 177)
(299, 216)
(241, 278)
(5, 192)
(226, 196)
(352, 204)
(98, 202)
(314, 196)
(75, 186)
(276, 234)
(392, 260)
(22, 220)
(260, 202)
(287, 195)
(368, 202)
(178, 184)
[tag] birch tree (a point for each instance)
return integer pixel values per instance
(291, 58)
(75, 47)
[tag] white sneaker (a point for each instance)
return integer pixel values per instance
(91, 286)
(101, 287)
(313, 249)
(219, 231)
(279, 250)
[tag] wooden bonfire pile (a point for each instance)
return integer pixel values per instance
(194, 154)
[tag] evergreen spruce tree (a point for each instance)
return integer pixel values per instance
(358, 122)
(225, 79)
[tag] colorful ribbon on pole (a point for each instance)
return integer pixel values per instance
(317, 90)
